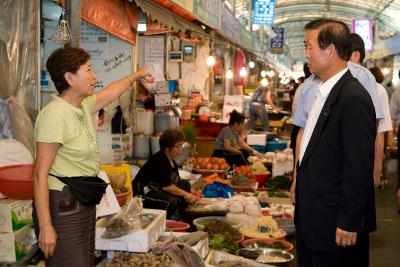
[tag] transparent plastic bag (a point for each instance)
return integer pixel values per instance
(127, 220)
(181, 253)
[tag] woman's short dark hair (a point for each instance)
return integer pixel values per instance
(170, 138)
(376, 71)
(332, 32)
(236, 117)
(64, 60)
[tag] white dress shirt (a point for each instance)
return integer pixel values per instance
(324, 88)
(385, 124)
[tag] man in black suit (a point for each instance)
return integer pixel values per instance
(335, 204)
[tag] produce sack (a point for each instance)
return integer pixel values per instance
(127, 220)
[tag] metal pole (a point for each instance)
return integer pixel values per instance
(73, 15)
(38, 58)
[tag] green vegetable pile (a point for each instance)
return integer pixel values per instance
(224, 241)
(282, 182)
(240, 180)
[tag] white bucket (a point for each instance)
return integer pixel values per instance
(144, 121)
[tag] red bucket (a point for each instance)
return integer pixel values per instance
(16, 181)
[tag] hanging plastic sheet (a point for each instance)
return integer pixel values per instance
(18, 65)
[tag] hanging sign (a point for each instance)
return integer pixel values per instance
(208, 10)
(186, 4)
(95, 41)
(264, 11)
(229, 25)
(278, 42)
(363, 27)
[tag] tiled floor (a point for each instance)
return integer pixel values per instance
(385, 242)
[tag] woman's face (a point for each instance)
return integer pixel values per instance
(83, 80)
(176, 150)
(238, 126)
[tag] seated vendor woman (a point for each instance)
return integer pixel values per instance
(158, 181)
(230, 145)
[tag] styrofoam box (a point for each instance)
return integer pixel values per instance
(136, 241)
(202, 247)
(280, 168)
(257, 139)
(215, 257)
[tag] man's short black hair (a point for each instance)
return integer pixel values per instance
(357, 45)
(332, 32)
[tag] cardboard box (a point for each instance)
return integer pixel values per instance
(14, 246)
(14, 214)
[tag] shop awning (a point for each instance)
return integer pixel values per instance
(117, 17)
(168, 18)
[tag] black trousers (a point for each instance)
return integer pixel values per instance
(174, 205)
(293, 139)
(357, 256)
(398, 159)
(231, 158)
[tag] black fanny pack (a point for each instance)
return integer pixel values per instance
(87, 190)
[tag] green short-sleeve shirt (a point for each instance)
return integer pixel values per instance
(72, 128)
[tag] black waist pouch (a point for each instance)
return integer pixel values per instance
(87, 190)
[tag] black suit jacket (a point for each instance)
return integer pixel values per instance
(335, 178)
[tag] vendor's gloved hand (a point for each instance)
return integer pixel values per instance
(197, 194)
(256, 153)
(191, 198)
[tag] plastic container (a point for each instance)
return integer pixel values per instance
(141, 146)
(186, 113)
(275, 145)
(259, 149)
(176, 226)
(16, 181)
(145, 121)
(261, 178)
(135, 241)
(202, 222)
(155, 144)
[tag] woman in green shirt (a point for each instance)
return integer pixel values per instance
(66, 146)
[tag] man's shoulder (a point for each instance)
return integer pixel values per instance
(354, 89)
(361, 73)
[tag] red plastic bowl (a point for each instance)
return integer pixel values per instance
(176, 226)
(261, 178)
(16, 181)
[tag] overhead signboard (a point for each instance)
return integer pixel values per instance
(186, 4)
(363, 27)
(278, 42)
(263, 11)
(208, 10)
(229, 24)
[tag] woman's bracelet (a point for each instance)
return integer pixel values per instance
(130, 81)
